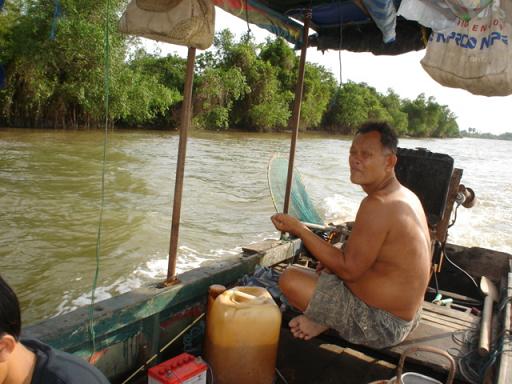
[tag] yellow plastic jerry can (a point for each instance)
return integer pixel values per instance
(242, 335)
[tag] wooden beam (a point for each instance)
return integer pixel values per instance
(294, 122)
(180, 167)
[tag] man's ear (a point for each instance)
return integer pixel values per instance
(7, 345)
(391, 161)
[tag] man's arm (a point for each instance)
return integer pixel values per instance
(362, 248)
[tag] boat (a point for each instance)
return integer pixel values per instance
(137, 329)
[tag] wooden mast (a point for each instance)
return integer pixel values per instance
(180, 166)
(294, 122)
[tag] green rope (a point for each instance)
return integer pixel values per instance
(106, 82)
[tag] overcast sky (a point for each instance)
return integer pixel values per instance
(402, 73)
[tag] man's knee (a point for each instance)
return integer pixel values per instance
(298, 285)
(286, 281)
(289, 279)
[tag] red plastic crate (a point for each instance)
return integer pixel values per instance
(182, 369)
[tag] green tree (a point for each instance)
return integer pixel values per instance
(447, 125)
(59, 81)
(265, 105)
(150, 90)
(319, 87)
(169, 70)
(278, 53)
(352, 105)
(238, 84)
(393, 104)
(143, 99)
(217, 90)
(418, 120)
(428, 118)
(268, 104)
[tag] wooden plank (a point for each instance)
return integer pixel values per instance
(449, 312)
(440, 327)
(316, 361)
(458, 322)
(273, 251)
(455, 322)
(435, 336)
(442, 227)
(449, 324)
(453, 295)
(261, 246)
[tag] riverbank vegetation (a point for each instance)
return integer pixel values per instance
(472, 132)
(53, 60)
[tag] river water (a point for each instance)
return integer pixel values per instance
(50, 197)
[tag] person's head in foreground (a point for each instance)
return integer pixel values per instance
(25, 360)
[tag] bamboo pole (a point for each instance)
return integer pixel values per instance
(180, 167)
(294, 122)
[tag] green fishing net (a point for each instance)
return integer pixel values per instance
(301, 205)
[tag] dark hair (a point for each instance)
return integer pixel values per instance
(388, 137)
(10, 318)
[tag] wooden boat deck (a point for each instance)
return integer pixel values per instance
(442, 327)
(325, 361)
(328, 359)
(132, 327)
(445, 328)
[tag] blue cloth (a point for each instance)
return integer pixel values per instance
(1, 4)
(383, 13)
(57, 367)
(267, 278)
(56, 14)
(333, 14)
(2, 75)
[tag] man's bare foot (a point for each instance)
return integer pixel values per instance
(304, 328)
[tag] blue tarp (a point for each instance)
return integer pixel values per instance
(279, 17)
(383, 13)
(56, 14)
(333, 14)
(2, 75)
(256, 12)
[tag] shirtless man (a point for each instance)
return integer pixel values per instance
(371, 290)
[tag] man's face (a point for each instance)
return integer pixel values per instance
(369, 161)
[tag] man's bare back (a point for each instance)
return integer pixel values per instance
(386, 261)
(397, 280)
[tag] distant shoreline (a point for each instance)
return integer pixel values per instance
(464, 134)
(491, 136)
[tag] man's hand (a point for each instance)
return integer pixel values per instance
(322, 268)
(287, 223)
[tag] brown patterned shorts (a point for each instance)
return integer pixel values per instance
(333, 305)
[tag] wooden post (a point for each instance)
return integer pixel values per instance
(294, 122)
(180, 166)
(441, 231)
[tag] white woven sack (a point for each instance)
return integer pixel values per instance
(474, 55)
(185, 22)
(432, 14)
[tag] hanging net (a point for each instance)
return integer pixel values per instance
(301, 205)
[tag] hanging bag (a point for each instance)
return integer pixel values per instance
(474, 55)
(183, 22)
